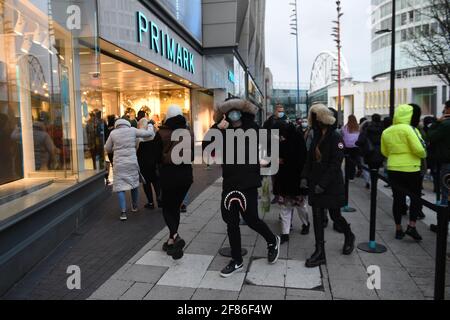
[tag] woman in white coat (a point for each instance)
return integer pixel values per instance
(122, 142)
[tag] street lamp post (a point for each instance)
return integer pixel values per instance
(393, 41)
(294, 32)
(337, 38)
(392, 97)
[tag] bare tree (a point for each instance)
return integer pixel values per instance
(430, 46)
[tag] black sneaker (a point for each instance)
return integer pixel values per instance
(150, 206)
(232, 268)
(183, 209)
(399, 234)
(368, 186)
(412, 232)
(274, 251)
(176, 249)
(165, 246)
(123, 216)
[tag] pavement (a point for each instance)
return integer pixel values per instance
(406, 270)
(100, 247)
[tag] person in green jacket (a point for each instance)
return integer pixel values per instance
(439, 137)
(404, 148)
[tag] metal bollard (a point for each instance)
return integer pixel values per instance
(372, 246)
(347, 208)
(441, 247)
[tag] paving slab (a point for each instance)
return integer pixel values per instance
(143, 273)
(137, 291)
(111, 290)
(298, 276)
(263, 274)
(262, 293)
(169, 293)
(213, 280)
(210, 294)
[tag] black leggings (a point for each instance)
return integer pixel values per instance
(250, 216)
(411, 182)
(151, 178)
(172, 200)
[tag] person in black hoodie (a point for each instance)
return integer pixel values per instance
(241, 183)
(369, 142)
(323, 176)
(175, 179)
(292, 161)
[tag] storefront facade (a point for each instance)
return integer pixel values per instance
(65, 66)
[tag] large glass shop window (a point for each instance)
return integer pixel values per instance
(40, 128)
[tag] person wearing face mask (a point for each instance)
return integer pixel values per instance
(323, 176)
(404, 148)
(241, 182)
(278, 116)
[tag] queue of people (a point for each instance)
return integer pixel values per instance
(310, 170)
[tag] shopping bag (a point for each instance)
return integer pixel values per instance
(265, 196)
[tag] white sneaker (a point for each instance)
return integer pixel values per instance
(123, 216)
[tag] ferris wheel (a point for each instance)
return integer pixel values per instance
(324, 70)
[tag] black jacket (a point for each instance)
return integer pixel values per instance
(271, 121)
(172, 175)
(327, 172)
(240, 176)
(293, 154)
(149, 154)
(369, 142)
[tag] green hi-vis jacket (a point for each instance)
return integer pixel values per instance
(402, 144)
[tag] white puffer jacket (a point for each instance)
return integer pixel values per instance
(122, 142)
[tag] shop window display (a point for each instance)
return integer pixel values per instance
(39, 123)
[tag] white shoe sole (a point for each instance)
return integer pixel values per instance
(278, 254)
(230, 274)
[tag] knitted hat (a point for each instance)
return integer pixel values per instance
(173, 111)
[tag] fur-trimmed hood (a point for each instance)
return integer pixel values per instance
(234, 104)
(324, 115)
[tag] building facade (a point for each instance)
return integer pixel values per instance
(66, 65)
(287, 95)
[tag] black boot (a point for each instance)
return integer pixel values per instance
(318, 257)
(349, 242)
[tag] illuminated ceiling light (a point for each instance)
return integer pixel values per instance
(84, 52)
(19, 28)
(139, 61)
(170, 75)
(61, 57)
(117, 50)
(26, 45)
(157, 69)
(127, 71)
(55, 71)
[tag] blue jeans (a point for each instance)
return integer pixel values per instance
(123, 199)
(445, 169)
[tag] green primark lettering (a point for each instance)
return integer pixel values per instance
(170, 48)
(179, 55)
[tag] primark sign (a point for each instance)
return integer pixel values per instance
(162, 43)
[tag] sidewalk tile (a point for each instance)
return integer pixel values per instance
(213, 280)
(347, 272)
(210, 294)
(111, 290)
(352, 290)
(297, 294)
(263, 274)
(143, 273)
(187, 272)
(137, 292)
(298, 276)
(261, 293)
(169, 293)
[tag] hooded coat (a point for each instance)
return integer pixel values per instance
(173, 175)
(369, 142)
(293, 154)
(238, 176)
(402, 143)
(325, 171)
(122, 142)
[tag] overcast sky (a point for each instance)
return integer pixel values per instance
(315, 23)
